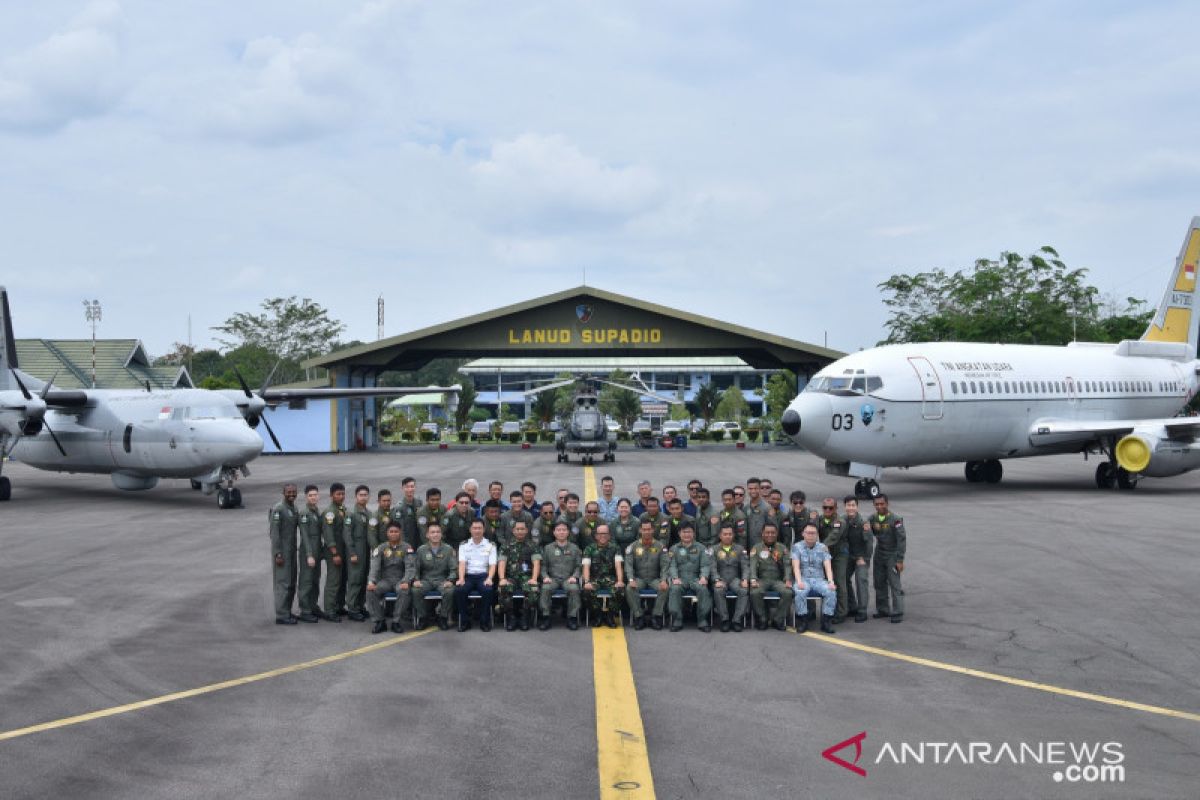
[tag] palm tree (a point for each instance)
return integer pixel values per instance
(707, 398)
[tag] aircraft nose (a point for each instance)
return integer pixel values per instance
(232, 442)
(791, 422)
(803, 419)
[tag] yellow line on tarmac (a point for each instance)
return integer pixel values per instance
(212, 687)
(621, 757)
(991, 676)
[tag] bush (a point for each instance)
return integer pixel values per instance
(622, 436)
(547, 436)
(513, 438)
(531, 436)
(735, 435)
(717, 435)
(463, 436)
(752, 434)
(427, 436)
(406, 436)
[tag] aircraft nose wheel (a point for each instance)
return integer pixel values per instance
(229, 498)
(1106, 475)
(866, 488)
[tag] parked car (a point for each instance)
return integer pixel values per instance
(613, 426)
(723, 425)
(673, 427)
(432, 427)
(481, 430)
(642, 425)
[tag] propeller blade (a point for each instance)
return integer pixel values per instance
(46, 388)
(57, 443)
(274, 438)
(24, 392)
(242, 381)
(267, 383)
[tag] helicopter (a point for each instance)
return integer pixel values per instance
(586, 433)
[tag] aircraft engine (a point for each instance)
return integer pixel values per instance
(253, 419)
(133, 483)
(1150, 453)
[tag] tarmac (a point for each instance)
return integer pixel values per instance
(139, 655)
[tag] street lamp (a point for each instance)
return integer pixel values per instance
(91, 311)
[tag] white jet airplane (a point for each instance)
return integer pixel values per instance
(138, 437)
(940, 402)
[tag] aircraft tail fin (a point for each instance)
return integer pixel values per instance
(8, 345)
(1178, 316)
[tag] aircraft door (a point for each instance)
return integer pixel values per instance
(932, 399)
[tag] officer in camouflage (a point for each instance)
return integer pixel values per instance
(333, 535)
(519, 567)
(646, 565)
(311, 556)
(603, 569)
(562, 563)
(688, 570)
(730, 573)
(284, 519)
(890, 545)
(770, 571)
(391, 571)
(435, 568)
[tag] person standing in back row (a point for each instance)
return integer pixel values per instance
(890, 545)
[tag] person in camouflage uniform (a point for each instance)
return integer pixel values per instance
(688, 569)
(603, 568)
(311, 556)
(770, 571)
(435, 568)
(646, 568)
(519, 566)
(391, 571)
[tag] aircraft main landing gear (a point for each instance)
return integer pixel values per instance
(866, 488)
(1126, 480)
(5, 489)
(1106, 475)
(989, 471)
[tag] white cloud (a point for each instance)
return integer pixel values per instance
(283, 92)
(73, 74)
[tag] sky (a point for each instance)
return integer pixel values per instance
(767, 164)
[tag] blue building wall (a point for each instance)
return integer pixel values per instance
(304, 430)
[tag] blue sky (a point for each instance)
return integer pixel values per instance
(767, 163)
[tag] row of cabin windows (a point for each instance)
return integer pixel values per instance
(1058, 387)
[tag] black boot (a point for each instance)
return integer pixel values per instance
(726, 626)
(611, 619)
(380, 627)
(676, 623)
(595, 619)
(827, 624)
(657, 623)
(572, 624)
(860, 616)
(510, 624)
(397, 627)
(801, 623)
(526, 619)
(444, 623)
(779, 625)
(544, 625)
(738, 627)
(422, 623)
(639, 622)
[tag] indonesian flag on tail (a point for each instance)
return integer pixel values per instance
(1189, 271)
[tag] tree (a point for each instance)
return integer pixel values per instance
(290, 330)
(733, 404)
(1032, 299)
(780, 391)
(542, 407)
(466, 400)
(707, 398)
(623, 405)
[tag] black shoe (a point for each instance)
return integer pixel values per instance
(509, 623)
(342, 612)
(572, 624)
(397, 627)
(881, 614)
(676, 627)
(760, 625)
(860, 617)
(595, 620)
(380, 627)
(526, 620)
(802, 623)
(422, 623)
(544, 625)
(779, 626)
(897, 618)
(726, 626)
(827, 624)
(356, 616)
(657, 623)
(838, 619)
(705, 628)
(444, 623)
(306, 617)
(485, 626)
(738, 627)
(613, 620)
(285, 620)
(464, 626)
(639, 623)
(331, 618)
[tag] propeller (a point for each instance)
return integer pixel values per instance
(45, 422)
(261, 417)
(21, 384)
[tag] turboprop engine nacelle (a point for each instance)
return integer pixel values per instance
(1152, 454)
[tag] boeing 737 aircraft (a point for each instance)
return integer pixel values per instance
(941, 402)
(141, 436)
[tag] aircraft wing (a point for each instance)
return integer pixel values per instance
(273, 396)
(1054, 432)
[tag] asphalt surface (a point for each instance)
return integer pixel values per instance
(109, 598)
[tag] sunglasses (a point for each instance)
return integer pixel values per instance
(739, 494)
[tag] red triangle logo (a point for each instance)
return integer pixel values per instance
(855, 740)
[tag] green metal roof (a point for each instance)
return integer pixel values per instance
(120, 364)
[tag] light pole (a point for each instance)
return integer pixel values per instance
(91, 311)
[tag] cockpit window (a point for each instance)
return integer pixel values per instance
(845, 384)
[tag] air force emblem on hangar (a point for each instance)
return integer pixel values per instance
(583, 312)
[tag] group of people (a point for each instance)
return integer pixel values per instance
(646, 554)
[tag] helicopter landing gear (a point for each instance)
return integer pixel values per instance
(562, 458)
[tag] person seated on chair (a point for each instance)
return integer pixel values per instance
(519, 564)
(476, 575)
(811, 565)
(730, 573)
(562, 563)
(603, 568)
(435, 566)
(391, 571)
(646, 561)
(688, 570)
(770, 572)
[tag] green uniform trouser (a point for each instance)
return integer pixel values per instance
(519, 584)
(842, 567)
(356, 583)
(595, 604)
(310, 585)
(721, 602)
(375, 601)
(335, 586)
(760, 604)
(887, 578)
(572, 590)
(703, 600)
(444, 607)
(284, 583)
(633, 597)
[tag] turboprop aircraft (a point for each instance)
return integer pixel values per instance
(138, 437)
(940, 402)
